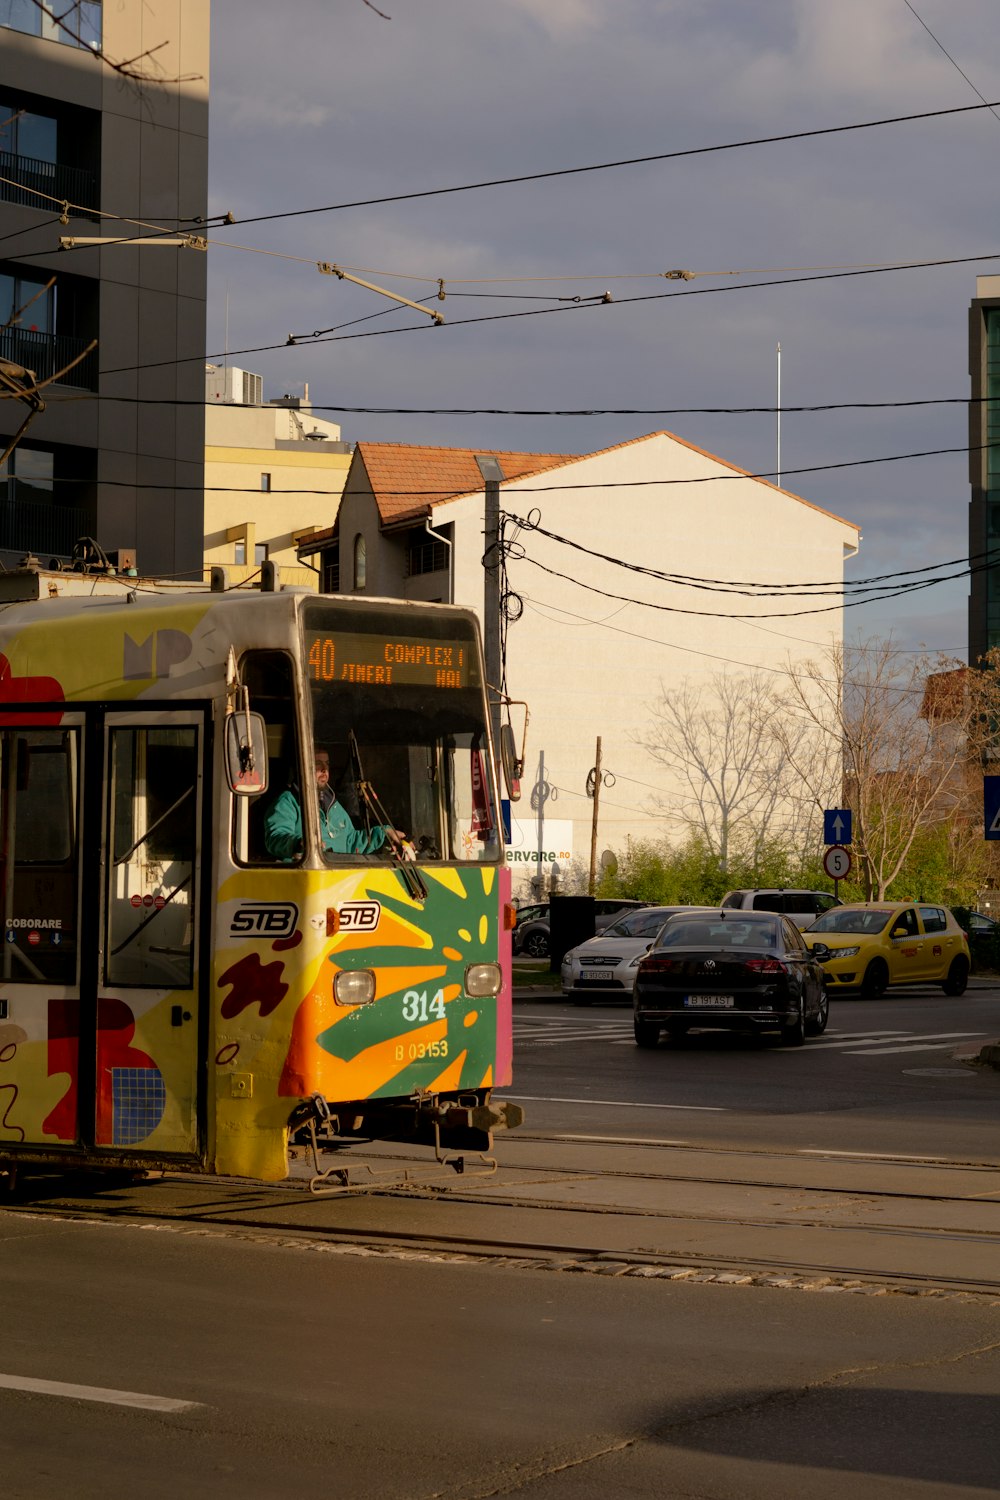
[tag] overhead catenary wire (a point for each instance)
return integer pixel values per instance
(538, 606)
(540, 489)
(818, 407)
(679, 609)
(742, 585)
(939, 44)
(318, 336)
(633, 161)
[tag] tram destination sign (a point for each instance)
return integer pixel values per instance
(387, 660)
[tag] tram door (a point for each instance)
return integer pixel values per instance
(147, 957)
(100, 884)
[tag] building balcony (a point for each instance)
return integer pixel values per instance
(47, 353)
(34, 184)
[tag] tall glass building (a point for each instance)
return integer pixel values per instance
(115, 335)
(984, 467)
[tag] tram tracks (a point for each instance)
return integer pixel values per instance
(859, 1223)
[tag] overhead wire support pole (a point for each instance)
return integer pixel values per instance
(492, 474)
(131, 242)
(326, 268)
(596, 775)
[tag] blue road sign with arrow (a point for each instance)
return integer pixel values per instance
(837, 825)
(991, 807)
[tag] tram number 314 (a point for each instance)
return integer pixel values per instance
(417, 1007)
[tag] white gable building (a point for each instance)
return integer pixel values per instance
(587, 653)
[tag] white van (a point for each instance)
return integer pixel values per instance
(802, 906)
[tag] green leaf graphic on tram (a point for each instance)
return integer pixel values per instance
(370, 1025)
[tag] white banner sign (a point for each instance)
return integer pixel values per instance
(532, 846)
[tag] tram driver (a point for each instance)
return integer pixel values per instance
(283, 834)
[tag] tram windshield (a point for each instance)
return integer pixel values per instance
(398, 706)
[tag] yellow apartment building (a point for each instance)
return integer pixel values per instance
(274, 475)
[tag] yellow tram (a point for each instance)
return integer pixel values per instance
(177, 992)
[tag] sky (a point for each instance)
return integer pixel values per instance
(318, 103)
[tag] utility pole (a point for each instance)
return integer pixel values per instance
(777, 413)
(596, 775)
(492, 475)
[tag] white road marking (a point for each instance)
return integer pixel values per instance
(709, 1109)
(95, 1393)
(915, 1046)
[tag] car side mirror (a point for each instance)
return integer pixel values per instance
(899, 932)
(820, 952)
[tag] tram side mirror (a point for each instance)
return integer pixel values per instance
(246, 754)
(513, 768)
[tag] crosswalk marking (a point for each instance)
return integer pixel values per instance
(543, 1032)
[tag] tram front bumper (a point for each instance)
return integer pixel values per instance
(463, 1124)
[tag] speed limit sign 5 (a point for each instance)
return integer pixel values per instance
(837, 862)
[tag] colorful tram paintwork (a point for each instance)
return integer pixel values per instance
(179, 1012)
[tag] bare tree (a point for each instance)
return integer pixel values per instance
(904, 750)
(718, 739)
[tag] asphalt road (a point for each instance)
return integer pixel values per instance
(150, 1359)
(600, 1318)
(882, 1079)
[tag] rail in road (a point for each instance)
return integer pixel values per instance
(608, 1205)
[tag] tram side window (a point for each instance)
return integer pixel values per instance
(39, 854)
(268, 675)
(152, 866)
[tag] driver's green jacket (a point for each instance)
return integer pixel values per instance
(283, 830)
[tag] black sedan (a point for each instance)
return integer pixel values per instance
(730, 970)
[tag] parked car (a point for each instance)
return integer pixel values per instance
(803, 907)
(730, 970)
(531, 931)
(876, 945)
(975, 924)
(604, 967)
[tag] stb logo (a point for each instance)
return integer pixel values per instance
(359, 916)
(264, 919)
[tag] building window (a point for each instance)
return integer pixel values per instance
(259, 553)
(38, 513)
(423, 555)
(48, 157)
(331, 571)
(265, 484)
(76, 25)
(45, 328)
(360, 566)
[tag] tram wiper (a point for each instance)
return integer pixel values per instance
(375, 813)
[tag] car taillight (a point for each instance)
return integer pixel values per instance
(765, 966)
(658, 965)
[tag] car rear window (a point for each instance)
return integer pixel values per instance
(841, 919)
(772, 901)
(722, 933)
(645, 923)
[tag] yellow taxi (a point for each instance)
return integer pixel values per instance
(875, 945)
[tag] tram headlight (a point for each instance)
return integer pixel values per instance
(354, 987)
(483, 979)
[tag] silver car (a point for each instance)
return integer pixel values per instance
(604, 967)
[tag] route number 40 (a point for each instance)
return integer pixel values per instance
(417, 1007)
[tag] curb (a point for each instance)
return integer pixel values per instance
(986, 1055)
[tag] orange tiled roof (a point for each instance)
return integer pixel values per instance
(407, 480)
